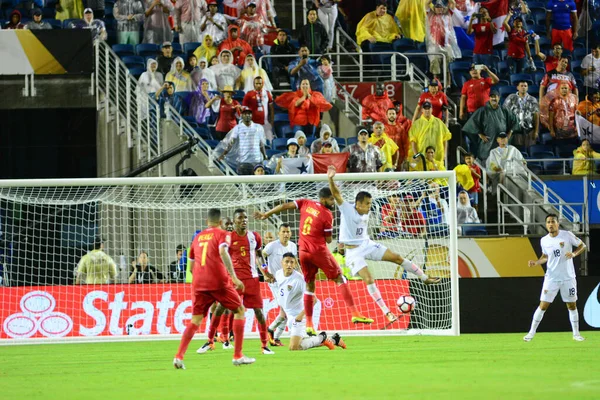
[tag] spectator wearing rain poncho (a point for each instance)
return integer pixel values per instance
(151, 80)
(324, 135)
(304, 106)
(252, 70)
(187, 16)
(207, 49)
(465, 213)
(226, 74)
(213, 24)
(303, 150)
(157, 29)
(201, 102)
(166, 95)
(203, 72)
(239, 48)
(129, 15)
(441, 37)
(180, 78)
(411, 15)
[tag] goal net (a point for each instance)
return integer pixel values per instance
(47, 226)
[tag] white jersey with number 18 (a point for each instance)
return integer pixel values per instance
(558, 267)
(353, 226)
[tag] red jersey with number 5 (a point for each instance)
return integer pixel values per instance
(209, 271)
(243, 254)
(316, 223)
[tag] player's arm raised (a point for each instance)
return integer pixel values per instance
(541, 261)
(276, 210)
(337, 195)
(224, 253)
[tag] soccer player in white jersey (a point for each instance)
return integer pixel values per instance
(359, 248)
(290, 297)
(273, 253)
(558, 250)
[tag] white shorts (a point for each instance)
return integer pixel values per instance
(356, 257)
(568, 290)
(296, 328)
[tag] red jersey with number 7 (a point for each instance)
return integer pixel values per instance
(316, 223)
(209, 272)
(243, 254)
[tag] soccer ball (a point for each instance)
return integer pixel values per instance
(406, 304)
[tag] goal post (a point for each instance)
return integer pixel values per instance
(48, 225)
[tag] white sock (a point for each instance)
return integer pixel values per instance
(309, 342)
(537, 318)
(376, 295)
(276, 322)
(280, 329)
(410, 266)
(574, 318)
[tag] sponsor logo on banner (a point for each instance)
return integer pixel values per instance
(591, 311)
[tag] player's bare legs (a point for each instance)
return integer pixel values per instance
(262, 330)
(373, 290)
(188, 334)
(537, 318)
(408, 265)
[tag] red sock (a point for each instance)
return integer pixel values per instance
(225, 327)
(188, 334)
(238, 332)
(309, 300)
(347, 296)
(214, 325)
(262, 331)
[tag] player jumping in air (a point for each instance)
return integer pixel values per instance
(316, 227)
(214, 279)
(557, 251)
(359, 248)
(291, 288)
(244, 250)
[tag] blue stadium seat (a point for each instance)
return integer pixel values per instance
(136, 71)
(56, 24)
(506, 90)
(66, 22)
(539, 17)
(272, 152)
(135, 64)
(281, 117)
(341, 141)
(123, 49)
(503, 69)
(578, 54)
(147, 49)
(536, 167)
(538, 77)
(474, 230)
(554, 168)
(540, 148)
(48, 12)
(203, 132)
(542, 154)
(514, 78)
(402, 45)
(310, 140)
(190, 47)
(533, 90)
(238, 95)
(576, 67)
(351, 141)
(177, 48)
(279, 144)
(286, 131)
(565, 150)
(546, 138)
(133, 59)
(214, 143)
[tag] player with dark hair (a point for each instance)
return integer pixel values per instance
(316, 228)
(214, 279)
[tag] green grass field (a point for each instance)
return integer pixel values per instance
(499, 366)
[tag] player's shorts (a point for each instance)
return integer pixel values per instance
(251, 297)
(312, 262)
(296, 328)
(564, 36)
(356, 258)
(568, 290)
(203, 299)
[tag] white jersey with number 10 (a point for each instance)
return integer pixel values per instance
(559, 268)
(353, 226)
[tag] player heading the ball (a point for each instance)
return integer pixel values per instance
(359, 248)
(557, 251)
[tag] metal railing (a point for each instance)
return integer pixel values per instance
(483, 181)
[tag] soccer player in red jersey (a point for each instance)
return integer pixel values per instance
(245, 248)
(316, 227)
(214, 279)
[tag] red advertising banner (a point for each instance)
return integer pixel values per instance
(360, 90)
(116, 310)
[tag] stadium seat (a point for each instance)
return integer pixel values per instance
(539, 17)
(506, 90)
(281, 117)
(514, 78)
(565, 150)
(474, 230)
(135, 64)
(310, 140)
(272, 152)
(544, 41)
(540, 148)
(48, 12)
(546, 138)
(133, 59)
(536, 167)
(555, 168)
(467, 53)
(542, 154)
(136, 71)
(123, 50)
(402, 45)
(351, 141)
(56, 24)
(578, 54)
(341, 142)
(576, 67)
(538, 77)
(503, 69)
(147, 50)
(67, 22)
(214, 143)
(286, 131)
(189, 47)
(203, 131)
(534, 90)
(279, 144)
(238, 95)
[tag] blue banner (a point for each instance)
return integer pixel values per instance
(571, 191)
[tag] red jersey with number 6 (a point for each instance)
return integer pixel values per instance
(243, 254)
(209, 271)
(316, 223)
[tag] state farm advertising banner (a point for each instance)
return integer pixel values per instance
(117, 310)
(360, 90)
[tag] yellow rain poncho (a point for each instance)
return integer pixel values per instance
(411, 14)
(464, 176)
(383, 29)
(388, 148)
(429, 132)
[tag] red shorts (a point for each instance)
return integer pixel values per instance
(203, 299)
(251, 296)
(565, 37)
(312, 262)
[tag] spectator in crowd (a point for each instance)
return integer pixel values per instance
(427, 163)
(441, 37)
(411, 15)
(207, 49)
(437, 99)
(557, 76)
(518, 45)
(253, 27)
(192, 64)
(465, 213)
(129, 15)
(156, 26)
(226, 74)
(97, 7)
(486, 124)
(69, 9)
(326, 74)
(180, 78)
(166, 95)
(590, 109)
(96, 267)
(95, 25)
(151, 80)
(527, 110)
(279, 65)
(251, 146)
(504, 159)
(435, 208)
(252, 70)
(304, 106)
(313, 35)
(177, 268)
(364, 156)
(201, 102)
(377, 28)
(388, 148)
(265, 9)
(519, 9)
(561, 115)
(292, 152)
(187, 16)
(305, 68)
(475, 92)
(590, 68)
(229, 109)
(399, 135)
(303, 150)
(476, 175)
(583, 159)
(327, 147)
(143, 272)
(214, 61)
(390, 217)
(259, 169)
(550, 61)
(375, 106)
(37, 22)
(214, 25)
(260, 101)
(410, 219)
(325, 135)
(484, 31)
(429, 131)
(239, 48)
(165, 60)
(562, 16)
(204, 72)
(328, 15)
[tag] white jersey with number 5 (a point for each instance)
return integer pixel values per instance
(275, 251)
(558, 267)
(291, 292)
(353, 226)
